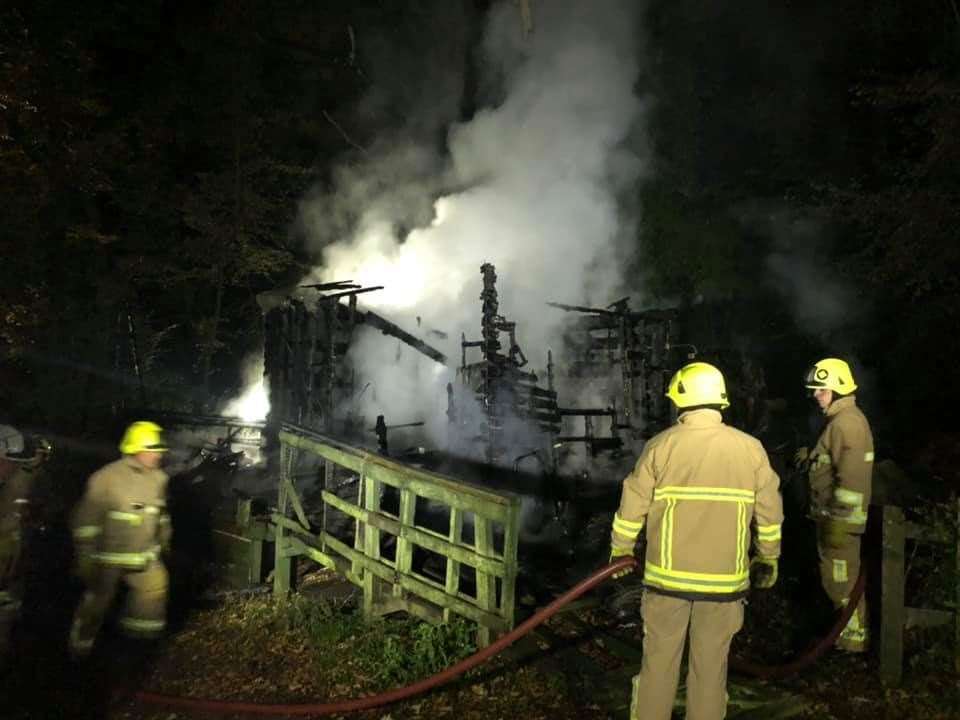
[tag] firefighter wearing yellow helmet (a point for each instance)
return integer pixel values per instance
(840, 473)
(698, 489)
(120, 528)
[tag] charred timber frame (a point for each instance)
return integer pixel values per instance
(635, 342)
(504, 389)
(305, 351)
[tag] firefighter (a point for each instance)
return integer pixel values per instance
(697, 489)
(120, 528)
(840, 472)
(20, 459)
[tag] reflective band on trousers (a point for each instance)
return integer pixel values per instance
(131, 560)
(840, 571)
(853, 500)
(127, 517)
(719, 583)
(142, 625)
(627, 528)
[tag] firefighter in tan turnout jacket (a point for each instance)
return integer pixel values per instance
(699, 489)
(119, 529)
(841, 472)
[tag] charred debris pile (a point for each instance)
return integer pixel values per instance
(533, 428)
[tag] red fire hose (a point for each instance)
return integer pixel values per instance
(397, 694)
(770, 672)
(392, 696)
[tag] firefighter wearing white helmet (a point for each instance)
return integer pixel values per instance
(840, 473)
(120, 528)
(697, 490)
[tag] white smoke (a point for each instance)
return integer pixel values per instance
(540, 177)
(822, 302)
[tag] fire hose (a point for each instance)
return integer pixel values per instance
(812, 654)
(445, 676)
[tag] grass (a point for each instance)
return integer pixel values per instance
(390, 651)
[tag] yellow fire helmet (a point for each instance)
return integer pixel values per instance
(831, 374)
(696, 384)
(143, 436)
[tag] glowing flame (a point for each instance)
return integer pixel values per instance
(252, 405)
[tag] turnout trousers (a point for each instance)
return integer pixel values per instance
(145, 609)
(666, 622)
(839, 569)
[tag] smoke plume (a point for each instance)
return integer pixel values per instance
(535, 185)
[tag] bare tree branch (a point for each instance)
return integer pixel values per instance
(343, 133)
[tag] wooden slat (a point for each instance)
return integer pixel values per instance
(340, 565)
(281, 563)
(452, 584)
(286, 523)
(511, 542)
(419, 536)
(486, 583)
(424, 483)
(891, 596)
(925, 618)
(371, 541)
(294, 498)
(418, 587)
(404, 564)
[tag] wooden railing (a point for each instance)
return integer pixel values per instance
(399, 583)
(895, 615)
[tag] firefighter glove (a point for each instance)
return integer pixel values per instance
(617, 553)
(801, 457)
(763, 572)
(834, 534)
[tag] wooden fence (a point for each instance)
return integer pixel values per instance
(479, 541)
(895, 615)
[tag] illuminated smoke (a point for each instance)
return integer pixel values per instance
(253, 403)
(541, 180)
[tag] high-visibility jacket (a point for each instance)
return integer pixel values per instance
(841, 466)
(698, 488)
(122, 519)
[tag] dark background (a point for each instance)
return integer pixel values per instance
(153, 156)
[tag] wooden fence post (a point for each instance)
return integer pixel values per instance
(281, 560)
(891, 596)
(956, 580)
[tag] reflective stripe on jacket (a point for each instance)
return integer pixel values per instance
(841, 466)
(120, 517)
(699, 488)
